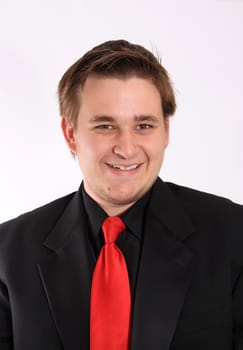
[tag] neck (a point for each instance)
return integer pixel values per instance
(115, 210)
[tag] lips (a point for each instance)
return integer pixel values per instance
(124, 167)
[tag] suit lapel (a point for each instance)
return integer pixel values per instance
(66, 276)
(165, 272)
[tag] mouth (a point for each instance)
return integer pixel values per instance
(123, 167)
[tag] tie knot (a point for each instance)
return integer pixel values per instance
(111, 228)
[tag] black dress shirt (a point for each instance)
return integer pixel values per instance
(129, 241)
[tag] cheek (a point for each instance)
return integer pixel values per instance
(93, 149)
(155, 148)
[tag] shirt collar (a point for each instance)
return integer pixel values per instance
(133, 217)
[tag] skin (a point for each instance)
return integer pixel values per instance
(119, 139)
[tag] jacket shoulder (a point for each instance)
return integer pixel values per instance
(46, 215)
(199, 198)
(206, 209)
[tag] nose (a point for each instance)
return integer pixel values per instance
(125, 145)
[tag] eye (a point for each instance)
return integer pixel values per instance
(104, 126)
(144, 126)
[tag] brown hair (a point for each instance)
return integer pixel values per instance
(115, 58)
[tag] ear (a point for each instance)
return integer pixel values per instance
(68, 132)
(167, 130)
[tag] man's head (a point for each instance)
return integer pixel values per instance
(116, 58)
(115, 104)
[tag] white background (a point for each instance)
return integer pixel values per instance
(201, 45)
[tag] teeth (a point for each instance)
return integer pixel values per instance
(121, 167)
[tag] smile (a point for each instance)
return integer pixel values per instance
(124, 168)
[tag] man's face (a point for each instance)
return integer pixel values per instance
(119, 139)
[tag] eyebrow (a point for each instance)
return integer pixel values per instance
(101, 118)
(146, 118)
(137, 118)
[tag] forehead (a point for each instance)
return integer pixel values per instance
(130, 89)
(121, 99)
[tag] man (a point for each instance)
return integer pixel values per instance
(182, 248)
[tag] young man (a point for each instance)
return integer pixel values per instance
(182, 248)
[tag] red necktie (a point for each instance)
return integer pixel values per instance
(110, 294)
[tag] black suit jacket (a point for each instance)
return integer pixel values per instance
(189, 291)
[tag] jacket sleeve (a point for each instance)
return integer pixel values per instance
(6, 338)
(237, 278)
(238, 313)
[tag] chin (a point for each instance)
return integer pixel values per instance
(127, 197)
